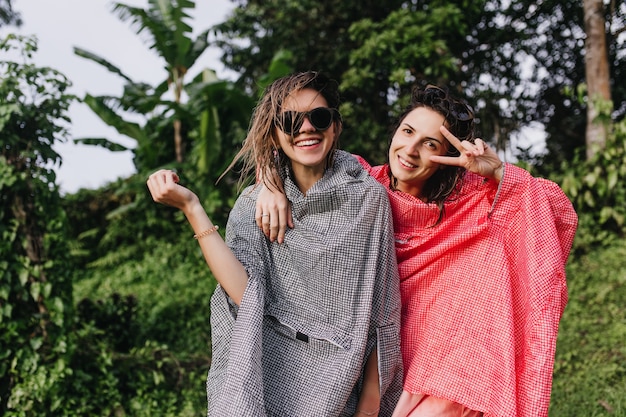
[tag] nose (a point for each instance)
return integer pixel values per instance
(413, 147)
(307, 126)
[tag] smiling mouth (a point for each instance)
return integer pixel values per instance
(406, 163)
(308, 142)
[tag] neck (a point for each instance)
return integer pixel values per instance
(306, 177)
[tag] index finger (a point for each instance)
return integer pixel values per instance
(454, 141)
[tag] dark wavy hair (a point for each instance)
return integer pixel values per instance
(459, 119)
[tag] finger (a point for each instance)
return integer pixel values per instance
(472, 150)
(290, 219)
(446, 160)
(481, 145)
(285, 220)
(265, 224)
(454, 141)
(258, 214)
(154, 184)
(163, 176)
(274, 227)
(274, 212)
(170, 178)
(162, 184)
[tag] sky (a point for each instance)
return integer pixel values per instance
(60, 26)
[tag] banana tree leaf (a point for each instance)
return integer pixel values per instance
(111, 118)
(99, 60)
(103, 143)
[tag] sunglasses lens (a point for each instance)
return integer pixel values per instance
(321, 118)
(290, 122)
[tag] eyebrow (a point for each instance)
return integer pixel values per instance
(413, 129)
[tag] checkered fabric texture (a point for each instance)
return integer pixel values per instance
(315, 306)
(483, 292)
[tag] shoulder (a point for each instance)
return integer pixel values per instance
(246, 200)
(379, 172)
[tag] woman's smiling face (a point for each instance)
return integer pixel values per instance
(416, 139)
(308, 148)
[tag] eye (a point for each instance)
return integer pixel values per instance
(431, 144)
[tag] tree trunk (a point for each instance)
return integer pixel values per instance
(596, 73)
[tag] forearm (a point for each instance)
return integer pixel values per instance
(226, 268)
(369, 400)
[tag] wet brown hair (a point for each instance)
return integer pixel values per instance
(261, 152)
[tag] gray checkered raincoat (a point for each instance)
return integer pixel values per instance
(315, 306)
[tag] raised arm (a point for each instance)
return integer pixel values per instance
(226, 268)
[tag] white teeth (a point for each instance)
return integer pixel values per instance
(308, 142)
(406, 163)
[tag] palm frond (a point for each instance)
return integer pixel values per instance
(164, 23)
(103, 143)
(99, 106)
(99, 60)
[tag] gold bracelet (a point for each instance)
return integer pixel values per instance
(206, 232)
(371, 413)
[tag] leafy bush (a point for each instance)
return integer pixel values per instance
(35, 267)
(597, 188)
(143, 334)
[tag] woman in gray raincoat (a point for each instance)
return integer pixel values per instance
(309, 327)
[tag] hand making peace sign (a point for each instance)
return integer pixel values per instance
(477, 157)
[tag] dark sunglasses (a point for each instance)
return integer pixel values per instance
(321, 118)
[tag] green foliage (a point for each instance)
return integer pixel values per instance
(165, 23)
(35, 271)
(514, 60)
(163, 136)
(212, 123)
(597, 188)
(316, 35)
(144, 336)
(137, 344)
(132, 336)
(219, 113)
(590, 367)
(169, 288)
(314, 32)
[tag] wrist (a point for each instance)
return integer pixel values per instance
(498, 173)
(196, 215)
(192, 206)
(367, 413)
(369, 403)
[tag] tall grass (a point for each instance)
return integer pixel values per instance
(590, 369)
